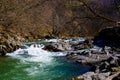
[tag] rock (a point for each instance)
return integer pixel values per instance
(86, 57)
(49, 37)
(7, 48)
(104, 66)
(107, 50)
(87, 44)
(116, 77)
(86, 76)
(94, 76)
(105, 63)
(9, 42)
(58, 46)
(116, 49)
(116, 69)
(114, 61)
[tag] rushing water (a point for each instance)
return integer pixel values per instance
(34, 63)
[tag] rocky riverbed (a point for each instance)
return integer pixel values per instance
(104, 61)
(104, 66)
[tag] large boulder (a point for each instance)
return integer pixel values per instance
(9, 42)
(7, 48)
(98, 76)
(87, 44)
(58, 46)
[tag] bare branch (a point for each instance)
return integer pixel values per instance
(97, 14)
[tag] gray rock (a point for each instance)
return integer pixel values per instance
(86, 58)
(9, 43)
(58, 46)
(94, 76)
(87, 44)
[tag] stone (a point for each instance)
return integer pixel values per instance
(87, 44)
(86, 76)
(58, 46)
(9, 42)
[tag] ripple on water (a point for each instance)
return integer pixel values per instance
(38, 64)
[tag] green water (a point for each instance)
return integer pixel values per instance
(58, 69)
(37, 64)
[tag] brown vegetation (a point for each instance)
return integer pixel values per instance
(62, 18)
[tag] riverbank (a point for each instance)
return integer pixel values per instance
(105, 61)
(32, 62)
(12, 40)
(9, 42)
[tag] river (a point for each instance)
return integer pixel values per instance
(34, 63)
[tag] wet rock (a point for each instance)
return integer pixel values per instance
(58, 46)
(107, 50)
(104, 63)
(116, 77)
(9, 42)
(7, 48)
(98, 76)
(94, 76)
(87, 44)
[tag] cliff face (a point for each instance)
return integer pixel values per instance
(57, 17)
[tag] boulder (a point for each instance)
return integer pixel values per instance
(58, 46)
(98, 76)
(87, 44)
(87, 57)
(9, 42)
(93, 76)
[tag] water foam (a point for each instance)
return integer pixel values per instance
(34, 53)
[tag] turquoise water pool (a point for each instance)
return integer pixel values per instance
(37, 64)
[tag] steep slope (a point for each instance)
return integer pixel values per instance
(58, 17)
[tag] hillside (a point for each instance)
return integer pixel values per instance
(62, 18)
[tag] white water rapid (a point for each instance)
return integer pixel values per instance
(34, 53)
